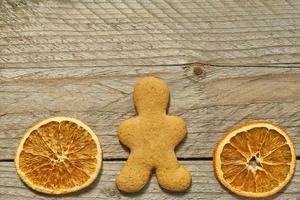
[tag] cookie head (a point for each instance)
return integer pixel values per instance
(151, 95)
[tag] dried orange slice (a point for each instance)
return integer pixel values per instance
(255, 159)
(58, 155)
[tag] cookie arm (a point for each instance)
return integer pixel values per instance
(126, 132)
(179, 129)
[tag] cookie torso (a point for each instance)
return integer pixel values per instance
(165, 133)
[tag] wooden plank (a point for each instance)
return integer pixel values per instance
(99, 33)
(204, 186)
(211, 99)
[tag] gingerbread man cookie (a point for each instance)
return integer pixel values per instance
(152, 137)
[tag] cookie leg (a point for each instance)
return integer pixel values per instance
(173, 177)
(134, 175)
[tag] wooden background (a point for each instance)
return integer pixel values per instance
(225, 61)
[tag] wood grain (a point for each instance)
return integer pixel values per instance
(204, 186)
(211, 99)
(43, 34)
(224, 61)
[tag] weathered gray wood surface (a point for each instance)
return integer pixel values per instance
(205, 186)
(225, 62)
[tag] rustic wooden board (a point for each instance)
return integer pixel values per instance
(204, 186)
(224, 61)
(211, 102)
(41, 34)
